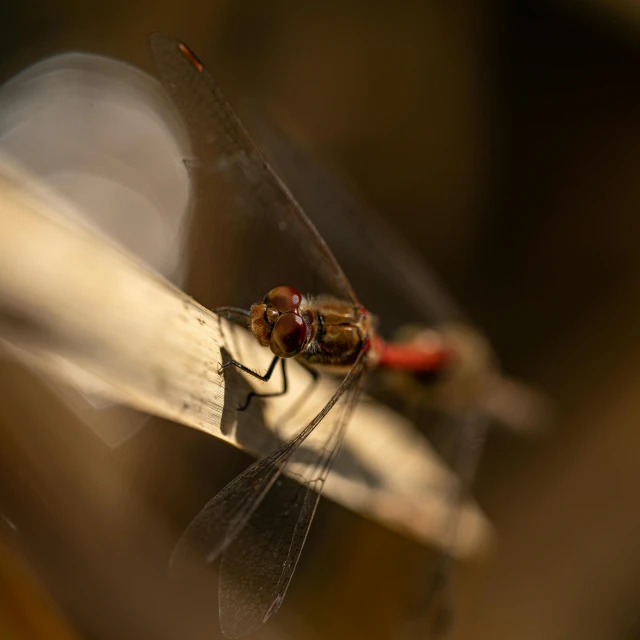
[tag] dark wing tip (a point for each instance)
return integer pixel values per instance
(164, 44)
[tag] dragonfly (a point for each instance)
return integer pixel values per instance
(259, 522)
(455, 404)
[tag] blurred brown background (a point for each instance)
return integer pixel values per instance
(503, 139)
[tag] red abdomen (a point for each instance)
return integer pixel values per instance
(416, 357)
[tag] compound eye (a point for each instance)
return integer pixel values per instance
(284, 299)
(288, 336)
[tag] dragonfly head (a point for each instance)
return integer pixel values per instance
(277, 323)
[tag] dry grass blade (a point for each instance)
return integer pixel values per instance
(79, 308)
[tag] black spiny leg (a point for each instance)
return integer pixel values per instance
(237, 313)
(274, 394)
(232, 312)
(264, 378)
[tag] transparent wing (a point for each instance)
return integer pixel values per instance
(258, 565)
(432, 609)
(224, 515)
(391, 278)
(260, 521)
(256, 217)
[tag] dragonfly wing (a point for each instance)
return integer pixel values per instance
(386, 270)
(254, 211)
(257, 566)
(260, 519)
(223, 516)
(433, 607)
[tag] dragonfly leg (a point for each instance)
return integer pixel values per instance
(264, 378)
(251, 372)
(274, 394)
(233, 313)
(294, 407)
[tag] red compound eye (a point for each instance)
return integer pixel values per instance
(284, 299)
(288, 336)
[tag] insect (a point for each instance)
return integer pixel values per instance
(456, 401)
(260, 520)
